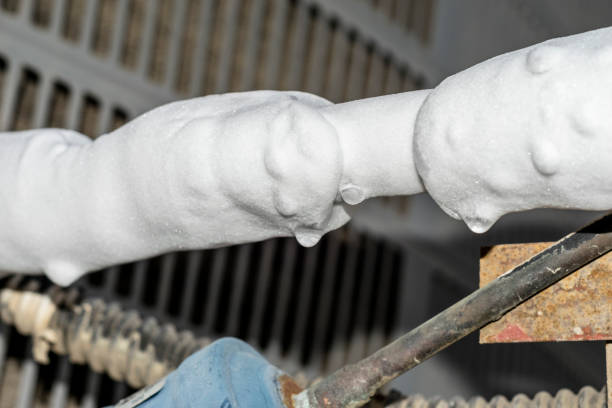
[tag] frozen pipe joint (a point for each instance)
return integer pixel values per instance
(527, 129)
(375, 135)
(200, 173)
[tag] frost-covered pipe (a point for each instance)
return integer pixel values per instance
(200, 173)
(376, 141)
(527, 129)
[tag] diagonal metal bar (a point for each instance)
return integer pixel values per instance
(353, 385)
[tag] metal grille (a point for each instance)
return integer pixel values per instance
(93, 65)
(411, 15)
(308, 310)
(145, 53)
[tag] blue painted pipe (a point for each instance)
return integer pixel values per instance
(227, 374)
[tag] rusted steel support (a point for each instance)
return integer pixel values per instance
(353, 385)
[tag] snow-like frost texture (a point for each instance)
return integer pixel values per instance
(527, 129)
(201, 173)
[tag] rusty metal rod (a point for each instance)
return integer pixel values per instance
(353, 385)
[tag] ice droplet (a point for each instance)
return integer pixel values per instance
(584, 120)
(479, 225)
(352, 194)
(63, 273)
(307, 238)
(546, 158)
(543, 58)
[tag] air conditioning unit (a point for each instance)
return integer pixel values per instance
(94, 65)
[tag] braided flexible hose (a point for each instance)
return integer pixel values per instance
(139, 352)
(587, 397)
(120, 343)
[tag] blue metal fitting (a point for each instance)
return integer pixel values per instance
(227, 374)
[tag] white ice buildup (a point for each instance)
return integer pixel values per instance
(528, 129)
(200, 173)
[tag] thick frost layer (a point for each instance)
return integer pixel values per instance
(376, 140)
(528, 129)
(200, 173)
